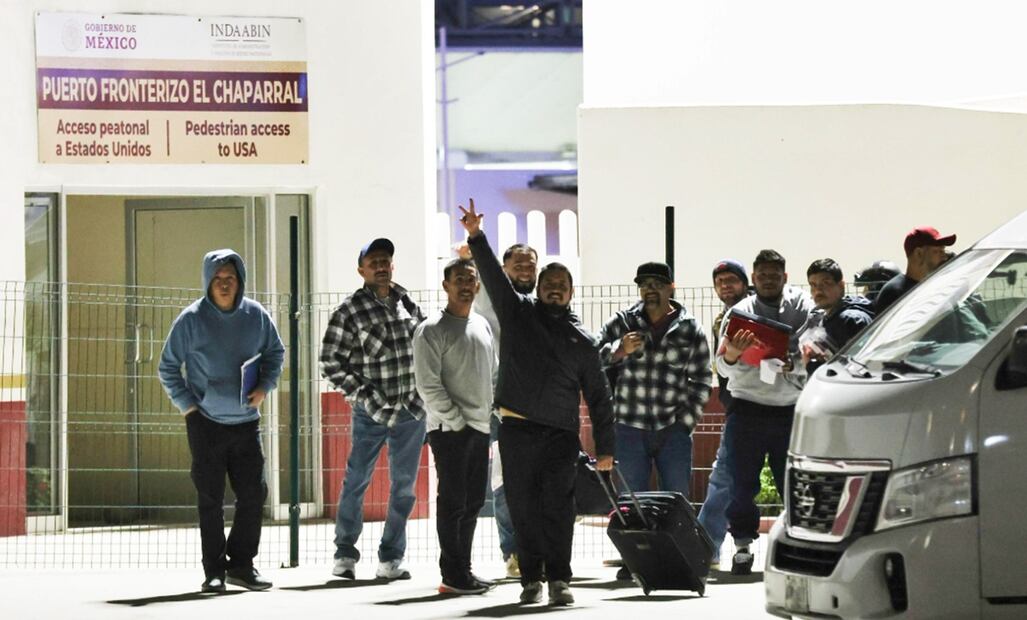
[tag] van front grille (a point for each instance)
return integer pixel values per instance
(814, 499)
(830, 506)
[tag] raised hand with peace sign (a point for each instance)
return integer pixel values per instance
(471, 219)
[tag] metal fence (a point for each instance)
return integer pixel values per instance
(94, 462)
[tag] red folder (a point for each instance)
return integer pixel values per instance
(771, 336)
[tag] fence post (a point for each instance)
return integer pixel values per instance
(670, 236)
(294, 394)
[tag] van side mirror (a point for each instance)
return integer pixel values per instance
(1013, 373)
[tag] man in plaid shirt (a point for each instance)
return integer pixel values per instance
(660, 354)
(368, 354)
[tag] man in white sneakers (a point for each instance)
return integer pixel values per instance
(368, 353)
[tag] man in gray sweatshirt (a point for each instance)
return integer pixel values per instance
(454, 361)
(759, 421)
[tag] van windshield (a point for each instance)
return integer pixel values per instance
(939, 325)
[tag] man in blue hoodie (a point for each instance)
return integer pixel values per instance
(201, 369)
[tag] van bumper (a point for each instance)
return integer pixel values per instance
(941, 565)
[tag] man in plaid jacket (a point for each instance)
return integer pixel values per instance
(662, 362)
(368, 354)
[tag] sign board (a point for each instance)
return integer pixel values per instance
(170, 89)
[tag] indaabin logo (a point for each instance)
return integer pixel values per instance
(72, 35)
(249, 32)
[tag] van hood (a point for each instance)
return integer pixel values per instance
(905, 421)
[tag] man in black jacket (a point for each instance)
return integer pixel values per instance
(925, 252)
(840, 316)
(546, 360)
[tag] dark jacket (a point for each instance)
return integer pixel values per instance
(854, 313)
(892, 290)
(665, 382)
(545, 362)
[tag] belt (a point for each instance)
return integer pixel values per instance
(506, 413)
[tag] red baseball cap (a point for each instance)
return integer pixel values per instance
(922, 236)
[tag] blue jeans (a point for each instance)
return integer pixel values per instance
(713, 515)
(504, 523)
(670, 448)
(405, 440)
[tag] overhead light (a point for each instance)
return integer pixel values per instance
(522, 165)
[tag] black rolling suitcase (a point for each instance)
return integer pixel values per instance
(659, 539)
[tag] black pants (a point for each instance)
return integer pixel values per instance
(538, 472)
(462, 464)
(755, 432)
(218, 449)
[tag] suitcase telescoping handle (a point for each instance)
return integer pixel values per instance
(606, 481)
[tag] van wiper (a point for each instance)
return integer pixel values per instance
(846, 362)
(907, 367)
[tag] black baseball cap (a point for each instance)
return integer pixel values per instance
(660, 271)
(381, 243)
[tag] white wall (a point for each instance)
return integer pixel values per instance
(674, 52)
(841, 181)
(513, 101)
(371, 117)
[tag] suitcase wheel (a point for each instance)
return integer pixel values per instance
(641, 583)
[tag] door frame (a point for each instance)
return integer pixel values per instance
(134, 332)
(279, 509)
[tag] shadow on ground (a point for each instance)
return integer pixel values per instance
(614, 584)
(513, 609)
(652, 598)
(338, 584)
(726, 578)
(172, 598)
(431, 598)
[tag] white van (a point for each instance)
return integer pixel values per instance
(906, 490)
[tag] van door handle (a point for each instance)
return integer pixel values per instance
(139, 334)
(149, 330)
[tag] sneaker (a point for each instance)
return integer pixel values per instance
(532, 593)
(392, 570)
(345, 568)
(741, 563)
(513, 569)
(560, 594)
(623, 574)
(488, 583)
(247, 577)
(215, 583)
(464, 585)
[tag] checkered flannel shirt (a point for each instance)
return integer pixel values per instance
(368, 353)
(662, 383)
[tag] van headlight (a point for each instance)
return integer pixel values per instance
(935, 490)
